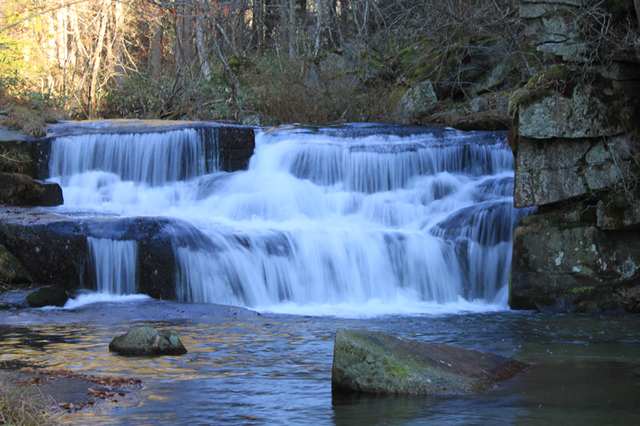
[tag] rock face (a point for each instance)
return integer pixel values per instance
(55, 250)
(381, 363)
(11, 270)
(577, 151)
(147, 341)
(557, 26)
(20, 190)
(564, 264)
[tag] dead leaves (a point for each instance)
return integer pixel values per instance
(111, 388)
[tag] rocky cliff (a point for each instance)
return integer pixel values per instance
(577, 150)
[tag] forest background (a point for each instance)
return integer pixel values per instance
(265, 62)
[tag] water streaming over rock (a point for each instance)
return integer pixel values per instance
(372, 216)
(153, 158)
(113, 263)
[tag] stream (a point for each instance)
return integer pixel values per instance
(388, 228)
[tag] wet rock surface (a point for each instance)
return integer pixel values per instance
(54, 249)
(33, 297)
(571, 266)
(380, 363)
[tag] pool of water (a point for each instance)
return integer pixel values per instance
(275, 369)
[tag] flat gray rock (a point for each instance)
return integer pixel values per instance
(7, 135)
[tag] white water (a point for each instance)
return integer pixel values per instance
(321, 223)
(114, 265)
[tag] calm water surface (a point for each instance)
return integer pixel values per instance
(276, 369)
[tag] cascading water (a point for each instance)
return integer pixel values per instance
(324, 220)
(114, 265)
(153, 158)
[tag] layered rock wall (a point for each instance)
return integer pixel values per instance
(577, 151)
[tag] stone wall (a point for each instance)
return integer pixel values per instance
(577, 151)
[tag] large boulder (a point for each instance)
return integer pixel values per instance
(375, 362)
(147, 341)
(416, 102)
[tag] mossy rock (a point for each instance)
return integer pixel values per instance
(21, 190)
(51, 295)
(147, 341)
(16, 157)
(380, 363)
(11, 270)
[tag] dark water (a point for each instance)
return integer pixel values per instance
(276, 369)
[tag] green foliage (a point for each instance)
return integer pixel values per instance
(582, 290)
(12, 59)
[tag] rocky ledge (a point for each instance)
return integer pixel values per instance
(576, 141)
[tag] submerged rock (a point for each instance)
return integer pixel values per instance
(375, 362)
(146, 341)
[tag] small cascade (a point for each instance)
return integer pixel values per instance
(114, 265)
(376, 218)
(151, 158)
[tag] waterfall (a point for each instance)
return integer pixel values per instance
(153, 158)
(114, 265)
(373, 218)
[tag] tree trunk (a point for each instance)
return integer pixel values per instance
(61, 35)
(292, 28)
(202, 51)
(97, 56)
(271, 20)
(318, 27)
(156, 49)
(240, 26)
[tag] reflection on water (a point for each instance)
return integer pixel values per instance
(277, 370)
